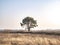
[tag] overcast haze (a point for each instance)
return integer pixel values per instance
(46, 12)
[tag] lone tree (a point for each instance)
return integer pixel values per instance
(29, 22)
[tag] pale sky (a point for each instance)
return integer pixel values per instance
(46, 12)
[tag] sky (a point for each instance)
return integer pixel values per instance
(46, 12)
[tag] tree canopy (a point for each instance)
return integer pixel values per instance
(29, 22)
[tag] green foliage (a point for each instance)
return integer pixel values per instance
(29, 22)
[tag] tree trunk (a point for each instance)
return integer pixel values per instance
(28, 28)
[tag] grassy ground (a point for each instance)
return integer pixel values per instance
(28, 39)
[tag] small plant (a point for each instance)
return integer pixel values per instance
(50, 42)
(13, 43)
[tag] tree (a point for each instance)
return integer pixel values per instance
(29, 22)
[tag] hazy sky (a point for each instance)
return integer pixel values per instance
(46, 12)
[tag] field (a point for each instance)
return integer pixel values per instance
(28, 39)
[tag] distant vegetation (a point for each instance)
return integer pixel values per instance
(48, 32)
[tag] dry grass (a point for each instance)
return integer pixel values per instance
(28, 39)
